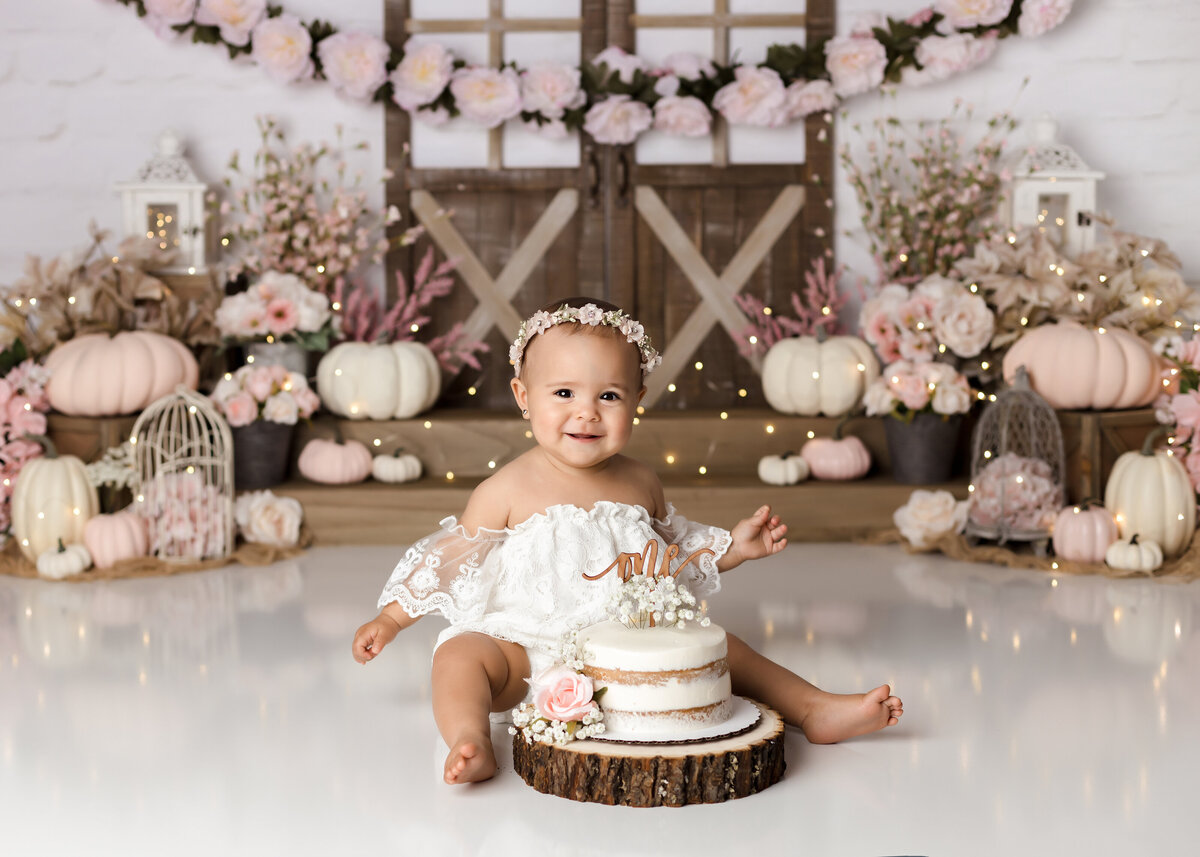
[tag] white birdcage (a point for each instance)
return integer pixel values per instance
(1018, 468)
(183, 460)
(1053, 189)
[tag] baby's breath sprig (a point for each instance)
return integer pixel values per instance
(645, 602)
(534, 727)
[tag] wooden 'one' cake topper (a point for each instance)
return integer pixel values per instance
(629, 563)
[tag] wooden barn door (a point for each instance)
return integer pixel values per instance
(671, 229)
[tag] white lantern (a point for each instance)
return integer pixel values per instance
(165, 201)
(1052, 189)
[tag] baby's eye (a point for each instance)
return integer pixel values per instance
(610, 396)
(563, 393)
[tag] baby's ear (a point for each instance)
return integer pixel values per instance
(519, 393)
(641, 394)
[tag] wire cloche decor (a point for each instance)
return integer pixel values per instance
(183, 461)
(1017, 468)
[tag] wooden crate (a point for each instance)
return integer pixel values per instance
(88, 437)
(1092, 442)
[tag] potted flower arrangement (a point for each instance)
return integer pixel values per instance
(923, 404)
(277, 321)
(263, 404)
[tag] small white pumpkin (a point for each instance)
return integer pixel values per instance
(400, 466)
(1134, 554)
(63, 561)
(786, 469)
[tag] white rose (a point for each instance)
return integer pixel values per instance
(487, 96)
(312, 311)
(422, 75)
(1038, 16)
(689, 65)
(666, 86)
(225, 389)
(283, 47)
(617, 120)
(965, 14)
(878, 399)
(281, 408)
(355, 63)
(755, 97)
(276, 284)
(624, 64)
(235, 311)
(855, 64)
(551, 89)
(938, 287)
(866, 22)
(964, 323)
(234, 18)
(951, 398)
(266, 519)
(686, 116)
(809, 96)
(929, 515)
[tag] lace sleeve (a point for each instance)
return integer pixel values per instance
(700, 577)
(448, 573)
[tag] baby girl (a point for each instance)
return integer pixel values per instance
(513, 588)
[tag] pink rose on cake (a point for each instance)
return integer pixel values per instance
(560, 693)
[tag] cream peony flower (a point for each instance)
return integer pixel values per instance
(685, 116)
(551, 89)
(617, 120)
(281, 408)
(170, 12)
(964, 323)
(283, 47)
(929, 515)
(689, 65)
(422, 75)
(855, 64)
(878, 399)
(943, 56)
(487, 96)
(809, 96)
(1040, 16)
(624, 64)
(234, 18)
(965, 14)
(355, 63)
(755, 97)
(264, 518)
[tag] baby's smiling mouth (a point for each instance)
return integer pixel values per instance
(583, 436)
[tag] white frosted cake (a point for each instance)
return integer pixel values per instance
(659, 681)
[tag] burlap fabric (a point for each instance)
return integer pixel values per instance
(12, 562)
(1181, 569)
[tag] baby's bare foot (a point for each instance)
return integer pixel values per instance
(836, 717)
(471, 759)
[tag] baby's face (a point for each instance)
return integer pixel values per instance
(582, 392)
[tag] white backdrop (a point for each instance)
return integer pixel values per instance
(85, 88)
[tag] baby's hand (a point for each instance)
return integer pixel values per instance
(762, 534)
(370, 639)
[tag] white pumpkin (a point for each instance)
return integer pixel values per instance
(379, 382)
(52, 500)
(809, 377)
(786, 469)
(63, 561)
(1134, 554)
(400, 466)
(1149, 492)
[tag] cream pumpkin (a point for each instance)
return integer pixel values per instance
(333, 462)
(786, 469)
(1083, 533)
(1134, 554)
(1149, 492)
(809, 377)
(63, 561)
(98, 376)
(400, 466)
(52, 501)
(114, 537)
(1077, 367)
(379, 382)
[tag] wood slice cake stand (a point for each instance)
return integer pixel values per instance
(605, 772)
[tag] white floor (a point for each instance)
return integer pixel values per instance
(221, 713)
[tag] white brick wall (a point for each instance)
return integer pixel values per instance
(85, 88)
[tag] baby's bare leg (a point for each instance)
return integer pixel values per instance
(473, 675)
(824, 717)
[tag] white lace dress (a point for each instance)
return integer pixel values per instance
(526, 584)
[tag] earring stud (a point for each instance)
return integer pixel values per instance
(524, 412)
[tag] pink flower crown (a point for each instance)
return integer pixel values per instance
(589, 314)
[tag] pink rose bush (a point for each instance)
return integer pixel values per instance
(905, 388)
(269, 393)
(1016, 493)
(23, 407)
(278, 306)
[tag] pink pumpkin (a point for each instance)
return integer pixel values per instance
(1083, 533)
(101, 376)
(333, 462)
(1075, 367)
(114, 537)
(836, 458)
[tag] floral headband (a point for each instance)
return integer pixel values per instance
(589, 314)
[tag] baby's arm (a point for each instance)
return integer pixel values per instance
(370, 639)
(762, 534)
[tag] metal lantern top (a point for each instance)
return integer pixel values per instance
(1018, 467)
(165, 201)
(1050, 158)
(183, 460)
